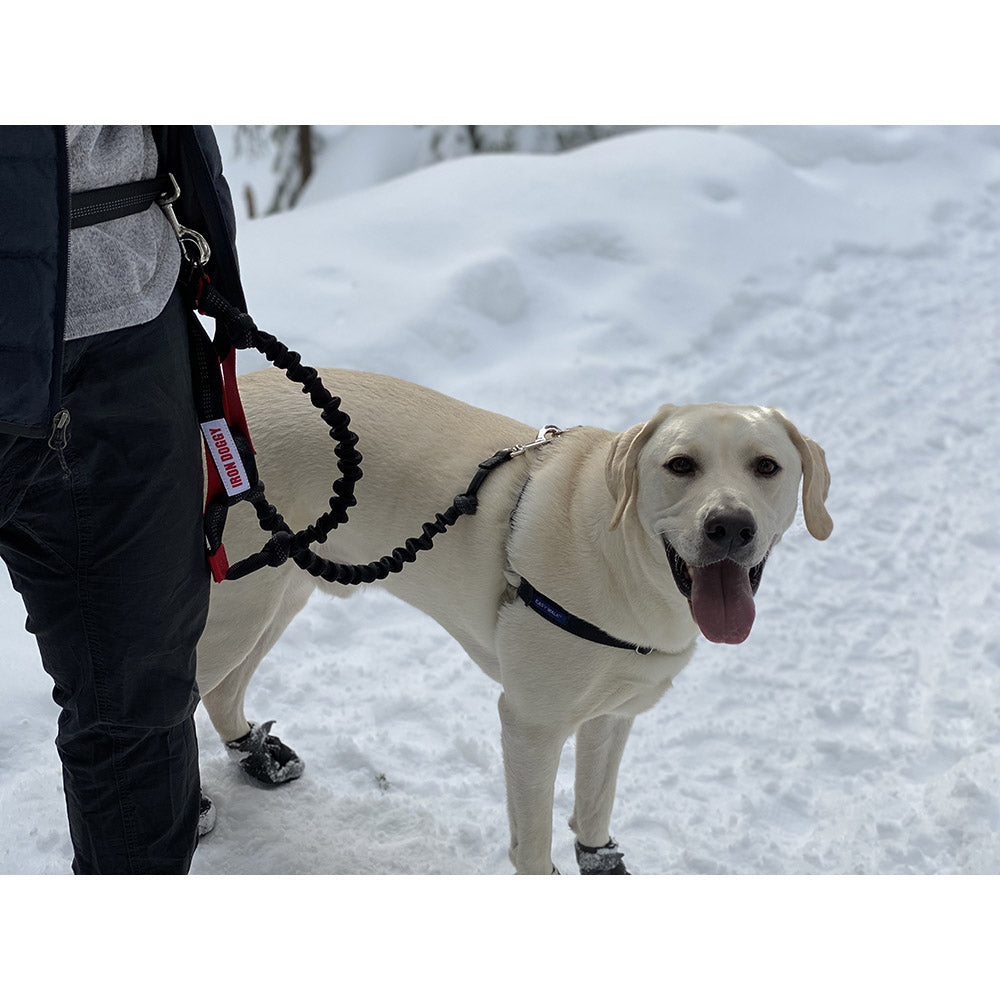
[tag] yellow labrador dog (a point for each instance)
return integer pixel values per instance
(580, 585)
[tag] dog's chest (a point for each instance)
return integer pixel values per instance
(639, 682)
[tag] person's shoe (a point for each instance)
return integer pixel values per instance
(206, 816)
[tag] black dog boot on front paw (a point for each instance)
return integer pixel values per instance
(606, 860)
(265, 757)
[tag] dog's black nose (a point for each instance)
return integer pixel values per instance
(728, 531)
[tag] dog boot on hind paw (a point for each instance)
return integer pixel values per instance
(606, 860)
(265, 757)
(206, 816)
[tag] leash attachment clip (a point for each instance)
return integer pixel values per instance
(194, 246)
(545, 435)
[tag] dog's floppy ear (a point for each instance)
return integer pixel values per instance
(815, 480)
(622, 466)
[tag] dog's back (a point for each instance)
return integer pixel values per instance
(419, 450)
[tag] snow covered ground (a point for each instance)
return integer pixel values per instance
(847, 275)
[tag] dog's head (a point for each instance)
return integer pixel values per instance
(717, 486)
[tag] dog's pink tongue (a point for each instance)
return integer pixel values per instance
(722, 601)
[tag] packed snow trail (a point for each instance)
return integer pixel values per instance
(848, 276)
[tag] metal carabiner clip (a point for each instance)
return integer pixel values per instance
(187, 238)
(545, 435)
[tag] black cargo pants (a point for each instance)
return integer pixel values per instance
(103, 541)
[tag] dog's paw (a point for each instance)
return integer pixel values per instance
(606, 860)
(264, 757)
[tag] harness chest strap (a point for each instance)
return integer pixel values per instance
(559, 616)
(545, 606)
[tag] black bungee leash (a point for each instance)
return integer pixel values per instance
(236, 329)
(232, 469)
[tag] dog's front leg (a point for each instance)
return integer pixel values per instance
(531, 753)
(600, 744)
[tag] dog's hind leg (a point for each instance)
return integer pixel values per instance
(225, 702)
(233, 615)
(531, 754)
(260, 754)
(600, 743)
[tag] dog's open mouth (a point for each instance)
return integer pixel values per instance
(721, 595)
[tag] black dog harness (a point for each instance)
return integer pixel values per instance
(552, 612)
(555, 613)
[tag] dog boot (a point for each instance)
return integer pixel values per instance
(265, 757)
(206, 816)
(606, 860)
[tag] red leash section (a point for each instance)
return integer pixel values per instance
(227, 474)
(231, 469)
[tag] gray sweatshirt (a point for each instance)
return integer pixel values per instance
(121, 273)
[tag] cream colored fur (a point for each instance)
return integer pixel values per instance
(587, 531)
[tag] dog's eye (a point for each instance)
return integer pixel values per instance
(681, 466)
(767, 467)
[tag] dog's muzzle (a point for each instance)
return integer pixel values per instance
(721, 594)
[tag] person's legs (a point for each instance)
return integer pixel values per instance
(105, 547)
